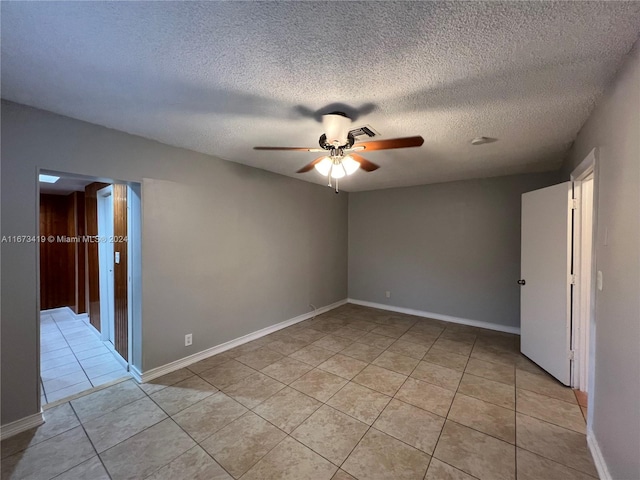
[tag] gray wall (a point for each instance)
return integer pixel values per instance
(227, 249)
(614, 127)
(450, 248)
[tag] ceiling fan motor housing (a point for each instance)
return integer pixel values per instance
(324, 143)
(336, 128)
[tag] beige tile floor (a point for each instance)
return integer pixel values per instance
(355, 393)
(72, 357)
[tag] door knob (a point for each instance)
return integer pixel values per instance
(522, 282)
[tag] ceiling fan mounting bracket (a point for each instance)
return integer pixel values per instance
(328, 146)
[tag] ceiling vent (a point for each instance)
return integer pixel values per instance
(365, 131)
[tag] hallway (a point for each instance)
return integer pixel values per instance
(72, 357)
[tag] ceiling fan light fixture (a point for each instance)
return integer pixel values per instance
(350, 165)
(324, 166)
(337, 167)
(338, 171)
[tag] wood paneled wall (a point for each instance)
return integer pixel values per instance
(57, 259)
(93, 273)
(120, 281)
(62, 264)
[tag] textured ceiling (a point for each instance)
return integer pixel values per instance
(221, 77)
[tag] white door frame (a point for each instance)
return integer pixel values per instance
(134, 267)
(585, 271)
(106, 262)
(134, 232)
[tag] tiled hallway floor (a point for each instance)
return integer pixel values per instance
(72, 357)
(355, 393)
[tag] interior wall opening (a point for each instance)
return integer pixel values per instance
(88, 229)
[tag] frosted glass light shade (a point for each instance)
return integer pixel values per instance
(350, 165)
(337, 167)
(324, 166)
(337, 171)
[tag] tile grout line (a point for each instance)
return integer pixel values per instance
(347, 382)
(451, 404)
(393, 397)
(249, 410)
(369, 426)
(90, 442)
(263, 456)
(385, 407)
(559, 463)
(322, 404)
(73, 352)
(86, 328)
(169, 417)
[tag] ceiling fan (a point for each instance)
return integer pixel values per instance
(339, 146)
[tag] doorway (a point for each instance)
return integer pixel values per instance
(89, 276)
(584, 274)
(558, 278)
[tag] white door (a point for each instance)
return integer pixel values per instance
(545, 292)
(106, 262)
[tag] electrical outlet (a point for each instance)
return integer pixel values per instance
(387, 294)
(188, 339)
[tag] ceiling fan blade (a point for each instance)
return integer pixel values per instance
(365, 164)
(293, 149)
(390, 143)
(310, 165)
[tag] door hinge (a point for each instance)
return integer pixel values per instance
(573, 204)
(572, 354)
(573, 279)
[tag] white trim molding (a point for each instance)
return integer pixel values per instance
(587, 164)
(22, 425)
(143, 377)
(598, 459)
(438, 316)
(78, 316)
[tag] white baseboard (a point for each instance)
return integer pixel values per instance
(95, 331)
(116, 355)
(19, 426)
(78, 316)
(136, 374)
(598, 459)
(55, 310)
(438, 316)
(143, 377)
